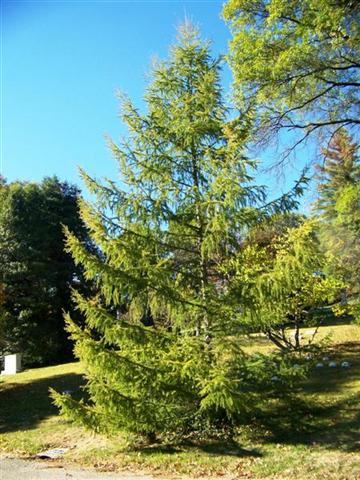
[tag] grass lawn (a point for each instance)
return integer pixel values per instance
(318, 438)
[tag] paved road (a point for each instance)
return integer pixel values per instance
(18, 469)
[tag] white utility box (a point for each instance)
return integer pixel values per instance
(12, 364)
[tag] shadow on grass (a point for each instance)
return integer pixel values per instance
(24, 405)
(224, 448)
(329, 319)
(326, 413)
(229, 449)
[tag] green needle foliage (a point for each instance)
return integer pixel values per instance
(160, 341)
(340, 170)
(338, 206)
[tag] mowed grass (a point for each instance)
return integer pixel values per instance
(29, 421)
(315, 438)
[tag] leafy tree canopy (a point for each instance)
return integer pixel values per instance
(296, 62)
(36, 274)
(291, 287)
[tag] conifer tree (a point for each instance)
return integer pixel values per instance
(339, 208)
(159, 342)
(340, 169)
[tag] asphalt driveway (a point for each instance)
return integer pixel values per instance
(19, 469)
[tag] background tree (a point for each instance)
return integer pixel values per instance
(348, 207)
(2, 317)
(339, 170)
(36, 274)
(297, 64)
(290, 287)
(266, 233)
(346, 256)
(160, 344)
(338, 206)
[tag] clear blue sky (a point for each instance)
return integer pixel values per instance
(62, 62)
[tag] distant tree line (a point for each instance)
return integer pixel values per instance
(36, 274)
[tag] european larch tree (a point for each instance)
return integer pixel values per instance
(159, 346)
